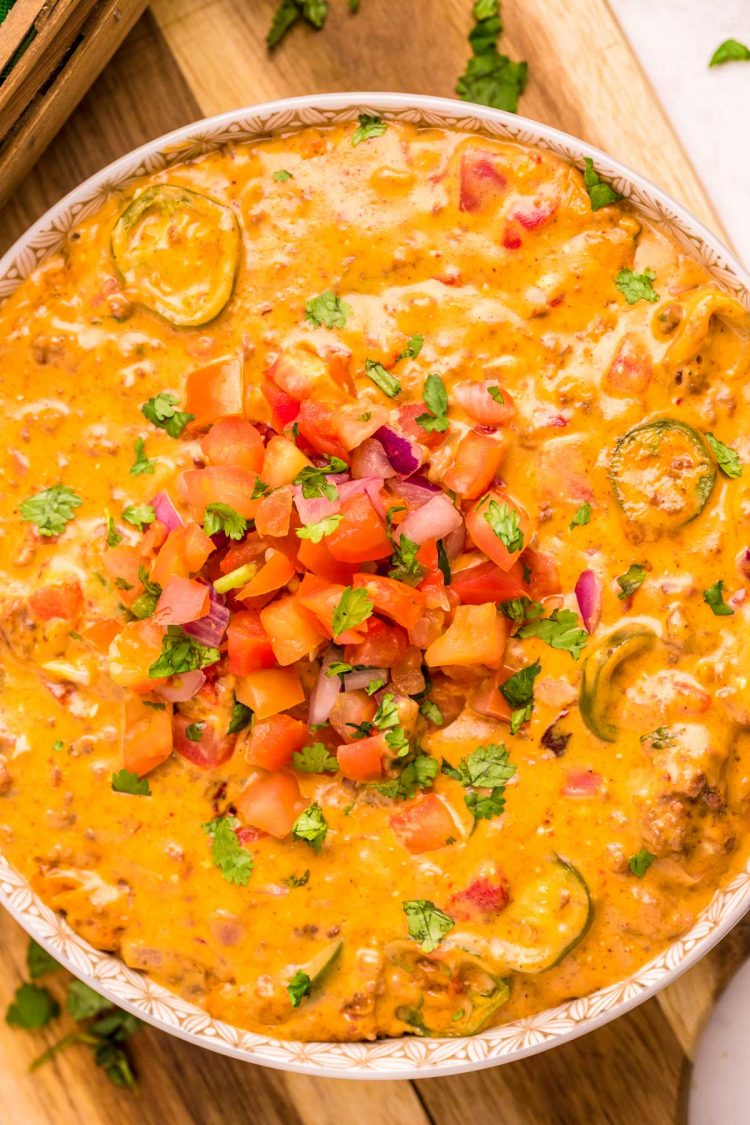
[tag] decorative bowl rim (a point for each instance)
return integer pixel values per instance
(408, 1057)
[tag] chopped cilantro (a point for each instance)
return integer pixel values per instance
(427, 925)
(83, 1003)
(316, 531)
(731, 50)
(126, 782)
(369, 127)
(260, 488)
(490, 78)
(314, 759)
(600, 193)
(581, 517)
(221, 517)
(560, 630)
(354, 607)
(228, 854)
(314, 12)
(113, 536)
(417, 774)
(412, 349)
(518, 691)
(194, 732)
(486, 768)
(139, 515)
(327, 309)
(406, 567)
(242, 716)
(181, 653)
(39, 961)
(51, 509)
(382, 378)
(726, 458)
(297, 880)
(32, 1007)
(145, 604)
(299, 987)
(435, 398)
(714, 597)
(432, 712)
(636, 286)
(521, 609)
(282, 176)
(313, 479)
(629, 582)
(640, 862)
(374, 685)
(311, 827)
(161, 410)
(506, 524)
(141, 465)
(497, 394)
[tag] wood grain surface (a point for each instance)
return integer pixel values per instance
(188, 58)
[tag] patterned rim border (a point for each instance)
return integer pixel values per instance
(387, 1058)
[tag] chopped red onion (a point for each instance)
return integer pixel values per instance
(405, 456)
(178, 689)
(209, 630)
(454, 543)
(743, 562)
(369, 460)
(416, 491)
(434, 520)
(324, 693)
(165, 511)
(319, 508)
(588, 590)
(356, 681)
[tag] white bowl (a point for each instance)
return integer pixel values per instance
(387, 1058)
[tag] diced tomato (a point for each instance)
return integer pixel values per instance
(482, 900)
(184, 552)
(303, 374)
(410, 428)
(363, 760)
(274, 513)
(427, 555)
(219, 484)
(545, 576)
(248, 643)
(64, 601)
(147, 736)
(384, 645)
(476, 463)
(122, 564)
(272, 803)
(317, 558)
(424, 825)
(477, 635)
(632, 368)
(284, 408)
(269, 691)
(480, 405)
(533, 212)
(483, 535)
(481, 183)
(581, 783)
(352, 424)
(214, 392)
(321, 598)
(101, 633)
(361, 535)
(316, 422)
(486, 582)
(351, 710)
(152, 539)
(132, 653)
(402, 603)
(233, 441)
(283, 462)
(275, 572)
(293, 632)
(212, 749)
(251, 549)
(271, 742)
(487, 699)
(182, 600)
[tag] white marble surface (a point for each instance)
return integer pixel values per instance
(710, 109)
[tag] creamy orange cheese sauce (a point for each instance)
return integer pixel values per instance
(632, 763)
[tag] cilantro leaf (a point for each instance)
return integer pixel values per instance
(194, 732)
(731, 50)
(313, 479)
(726, 458)
(141, 465)
(497, 394)
(39, 961)
(113, 535)
(629, 582)
(83, 1002)
(600, 193)
(487, 767)
(406, 567)
(145, 604)
(417, 774)
(234, 861)
(354, 607)
(282, 176)
(382, 378)
(221, 517)
(373, 686)
(427, 925)
(299, 987)
(311, 827)
(435, 398)
(260, 488)
(33, 1007)
(560, 630)
(581, 517)
(139, 515)
(387, 718)
(51, 509)
(327, 309)
(369, 127)
(636, 286)
(412, 349)
(506, 524)
(161, 410)
(521, 609)
(285, 17)
(640, 862)
(297, 880)
(314, 759)
(432, 712)
(714, 597)
(126, 782)
(518, 691)
(316, 531)
(490, 78)
(181, 653)
(242, 716)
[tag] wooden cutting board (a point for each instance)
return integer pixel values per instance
(188, 58)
